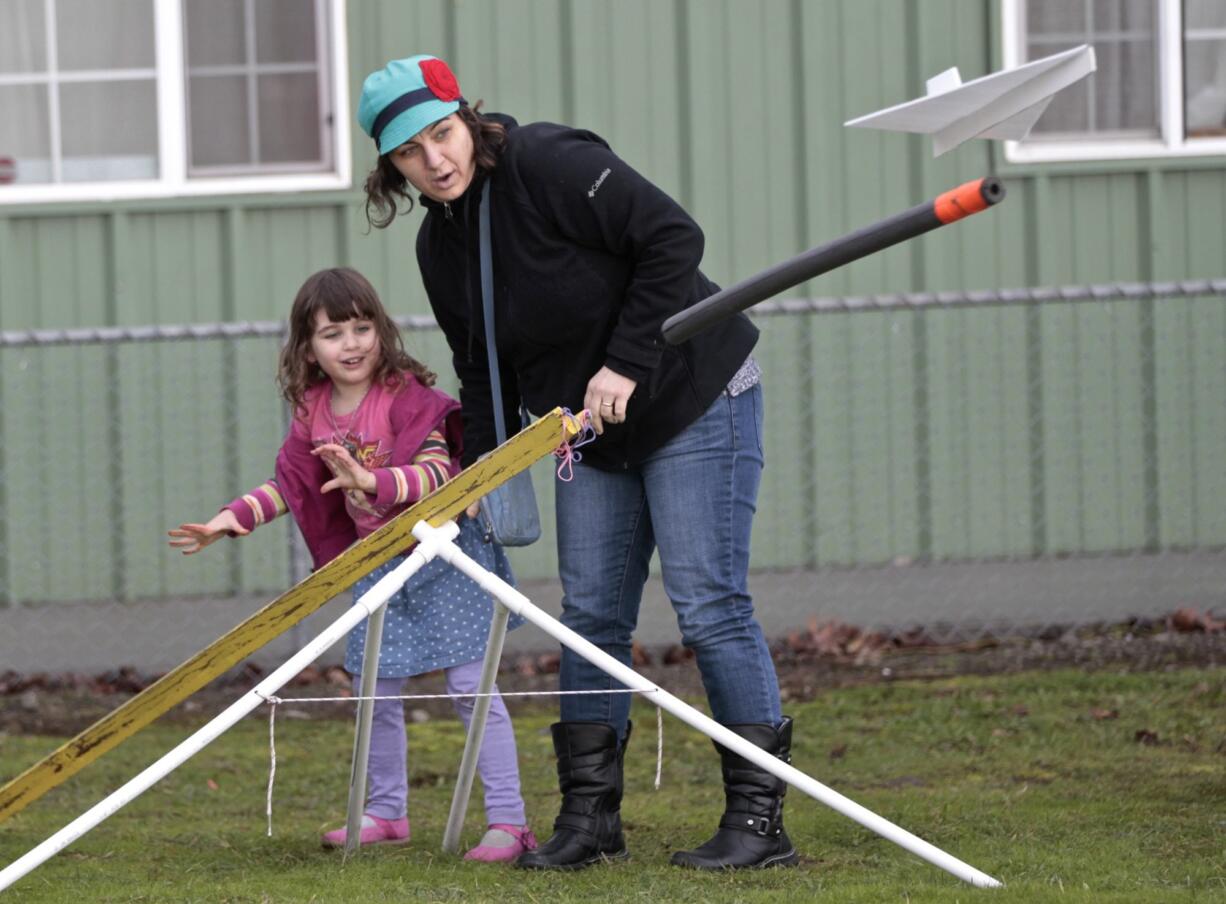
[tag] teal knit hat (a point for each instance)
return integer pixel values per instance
(404, 97)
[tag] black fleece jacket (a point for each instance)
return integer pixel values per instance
(589, 261)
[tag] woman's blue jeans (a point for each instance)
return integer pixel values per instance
(694, 500)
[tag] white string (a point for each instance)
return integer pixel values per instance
(659, 745)
(273, 700)
(272, 752)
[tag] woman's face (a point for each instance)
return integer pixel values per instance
(438, 161)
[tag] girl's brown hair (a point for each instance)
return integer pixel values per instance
(342, 294)
(386, 188)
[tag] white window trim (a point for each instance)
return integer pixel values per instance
(172, 134)
(1171, 142)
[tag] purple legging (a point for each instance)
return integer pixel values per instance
(498, 764)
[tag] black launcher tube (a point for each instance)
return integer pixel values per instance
(947, 208)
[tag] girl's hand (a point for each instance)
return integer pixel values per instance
(349, 474)
(191, 538)
(608, 394)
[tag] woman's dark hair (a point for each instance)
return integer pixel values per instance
(386, 188)
(342, 294)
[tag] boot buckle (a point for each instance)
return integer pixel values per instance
(760, 825)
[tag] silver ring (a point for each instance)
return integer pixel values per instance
(606, 404)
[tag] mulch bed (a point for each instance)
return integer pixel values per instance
(808, 661)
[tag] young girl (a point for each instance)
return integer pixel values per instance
(369, 437)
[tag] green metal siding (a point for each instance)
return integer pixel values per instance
(945, 434)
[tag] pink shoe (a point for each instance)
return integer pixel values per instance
(375, 830)
(503, 843)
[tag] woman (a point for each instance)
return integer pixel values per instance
(589, 259)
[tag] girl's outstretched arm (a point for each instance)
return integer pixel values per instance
(191, 538)
(239, 518)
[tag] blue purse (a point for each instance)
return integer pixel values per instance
(509, 515)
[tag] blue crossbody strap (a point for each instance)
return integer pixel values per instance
(487, 305)
(509, 511)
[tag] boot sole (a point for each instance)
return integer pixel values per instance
(581, 864)
(791, 858)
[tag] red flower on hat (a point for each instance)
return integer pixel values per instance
(439, 79)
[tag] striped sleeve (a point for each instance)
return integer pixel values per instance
(429, 470)
(259, 506)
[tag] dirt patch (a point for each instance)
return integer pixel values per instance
(808, 660)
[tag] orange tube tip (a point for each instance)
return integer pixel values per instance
(960, 202)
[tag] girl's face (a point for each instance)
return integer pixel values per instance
(348, 351)
(438, 161)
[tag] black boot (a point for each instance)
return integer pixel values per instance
(588, 829)
(750, 834)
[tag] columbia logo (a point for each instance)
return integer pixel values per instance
(591, 192)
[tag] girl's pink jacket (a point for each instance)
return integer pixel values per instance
(325, 525)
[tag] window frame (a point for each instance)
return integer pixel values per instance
(1170, 142)
(173, 180)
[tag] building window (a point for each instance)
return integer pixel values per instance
(78, 84)
(1160, 88)
(148, 98)
(258, 68)
(1204, 66)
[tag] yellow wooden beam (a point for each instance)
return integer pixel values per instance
(448, 501)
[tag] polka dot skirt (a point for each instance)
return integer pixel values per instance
(439, 618)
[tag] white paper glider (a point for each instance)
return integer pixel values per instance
(1001, 105)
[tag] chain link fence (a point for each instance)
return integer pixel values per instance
(969, 462)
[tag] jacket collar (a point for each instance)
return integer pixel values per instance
(457, 209)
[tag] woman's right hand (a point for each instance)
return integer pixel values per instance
(191, 538)
(608, 395)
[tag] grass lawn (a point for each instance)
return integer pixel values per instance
(1066, 786)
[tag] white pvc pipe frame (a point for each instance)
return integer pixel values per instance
(374, 599)
(361, 735)
(437, 542)
(521, 605)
